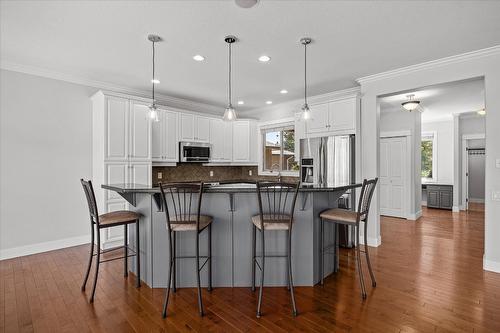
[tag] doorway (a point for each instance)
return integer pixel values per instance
(473, 166)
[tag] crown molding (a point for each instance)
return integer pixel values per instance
(494, 50)
(166, 100)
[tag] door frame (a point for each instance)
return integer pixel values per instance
(465, 167)
(407, 134)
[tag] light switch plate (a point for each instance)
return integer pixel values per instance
(249, 172)
(211, 173)
(160, 175)
(495, 195)
(497, 163)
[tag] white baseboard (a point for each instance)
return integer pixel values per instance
(476, 200)
(423, 203)
(455, 209)
(462, 207)
(43, 247)
(112, 243)
(372, 241)
(492, 266)
(414, 216)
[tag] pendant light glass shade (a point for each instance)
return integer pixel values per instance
(153, 111)
(306, 112)
(230, 112)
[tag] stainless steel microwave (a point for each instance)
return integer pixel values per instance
(194, 152)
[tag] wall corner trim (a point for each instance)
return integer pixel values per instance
(43, 247)
(490, 265)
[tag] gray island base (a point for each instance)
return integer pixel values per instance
(232, 206)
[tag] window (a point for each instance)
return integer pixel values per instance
(278, 150)
(428, 148)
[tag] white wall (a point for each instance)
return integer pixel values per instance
(483, 63)
(444, 137)
(45, 148)
(394, 121)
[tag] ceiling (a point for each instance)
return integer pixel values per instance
(440, 102)
(107, 41)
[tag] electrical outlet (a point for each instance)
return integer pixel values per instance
(211, 173)
(497, 163)
(160, 175)
(495, 195)
(249, 172)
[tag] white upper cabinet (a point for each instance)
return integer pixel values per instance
(335, 117)
(194, 128)
(140, 132)
(221, 138)
(165, 147)
(244, 141)
(117, 122)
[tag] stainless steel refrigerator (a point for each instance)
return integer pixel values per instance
(332, 159)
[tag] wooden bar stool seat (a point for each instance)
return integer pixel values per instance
(340, 215)
(112, 219)
(188, 223)
(272, 222)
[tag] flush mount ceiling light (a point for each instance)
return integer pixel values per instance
(198, 57)
(229, 113)
(153, 112)
(246, 3)
(306, 112)
(411, 104)
(481, 112)
(283, 91)
(264, 58)
(269, 102)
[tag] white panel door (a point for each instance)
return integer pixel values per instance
(319, 119)
(157, 137)
(116, 173)
(241, 141)
(140, 132)
(117, 124)
(342, 115)
(140, 173)
(186, 127)
(202, 129)
(170, 138)
(392, 176)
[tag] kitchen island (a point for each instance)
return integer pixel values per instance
(231, 205)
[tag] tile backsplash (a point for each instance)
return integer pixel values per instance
(197, 172)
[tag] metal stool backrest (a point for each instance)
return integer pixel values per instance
(365, 198)
(89, 194)
(185, 202)
(277, 199)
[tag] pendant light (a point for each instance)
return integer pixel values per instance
(306, 112)
(411, 104)
(229, 113)
(153, 111)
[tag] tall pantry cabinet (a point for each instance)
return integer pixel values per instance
(121, 152)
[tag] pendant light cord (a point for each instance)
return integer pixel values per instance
(229, 85)
(153, 73)
(305, 74)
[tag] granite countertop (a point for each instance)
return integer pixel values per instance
(226, 187)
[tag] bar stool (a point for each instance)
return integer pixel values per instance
(184, 216)
(347, 217)
(108, 220)
(276, 207)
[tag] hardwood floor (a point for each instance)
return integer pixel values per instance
(429, 276)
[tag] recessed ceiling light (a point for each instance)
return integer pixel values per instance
(198, 57)
(264, 58)
(284, 91)
(241, 102)
(269, 102)
(155, 81)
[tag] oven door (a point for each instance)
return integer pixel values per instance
(194, 152)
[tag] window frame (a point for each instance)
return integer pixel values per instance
(266, 127)
(433, 137)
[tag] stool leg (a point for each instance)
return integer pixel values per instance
(170, 268)
(321, 249)
(98, 263)
(174, 286)
(358, 262)
(287, 266)
(263, 256)
(372, 276)
(210, 257)
(290, 279)
(200, 301)
(125, 250)
(253, 255)
(91, 255)
(138, 254)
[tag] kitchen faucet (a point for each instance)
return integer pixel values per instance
(279, 171)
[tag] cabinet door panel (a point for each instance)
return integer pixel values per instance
(241, 141)
(217, 139)
(432, 198)
(227, 154)
(157, 137)
(446, 199)
(170, 139)
(114, 234)
(342, 114)
(117, 129)
(319, 119)
(202, 129)
(186, 127)
(140, 173)
(115, 174)
(140, 127)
